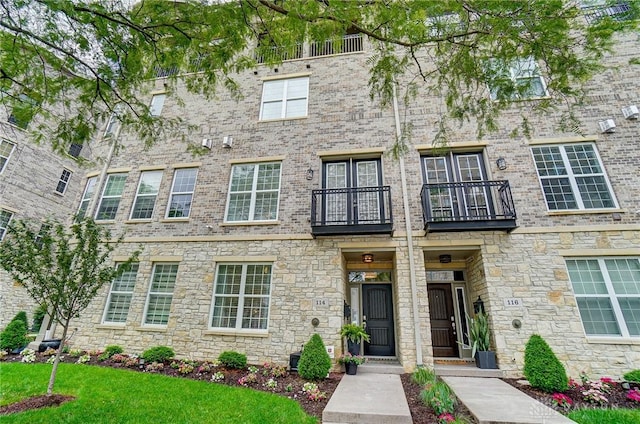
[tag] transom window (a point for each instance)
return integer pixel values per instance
(285, 98)
(519, 79)
(241, 296)
(608, 295)
(6, 148)
(572, 177)
(146, 195)
(254, 192)
(63, 182)
(184, 183)
(89, 189)
(5, 219)
(163, 282)
(111, 197)
(120, 295)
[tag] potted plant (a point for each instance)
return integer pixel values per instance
(479, 337)
(351, 362)
(354, 334)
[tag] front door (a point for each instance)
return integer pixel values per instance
(377, 315)
(443, 334)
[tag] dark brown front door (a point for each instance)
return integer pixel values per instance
(377, 313)
(443, 336)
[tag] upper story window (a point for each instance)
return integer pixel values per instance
(42, 233)
(111, 195)
(5, 219)
(594, 10)
(6, 148)
(157, 103)
(607, 292)
(284, 98)
(519, 79)
(113, 120)
(75, 149)
(120, 295)
(572, 177)
(63, 182)
(23, 111)
(184, 184)
(89, 189)
(146, 195)
(163, 281)
(254, 192)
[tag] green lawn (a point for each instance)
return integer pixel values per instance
(606, 416)
(106, 395)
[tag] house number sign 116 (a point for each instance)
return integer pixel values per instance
(513, 302)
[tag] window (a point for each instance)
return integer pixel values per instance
(254, 192)
(75, 150)
(113, 119)
(111, 195)
(572, 177)
(160, 296)
(63, 182)
(6, 149)
(184, 183)
(157, 102)
(286, 98)
(23, 111)
(241, 296)
(86, 197)
(520, 79)
(5, 219)
(120, 295)
(608, 295)
(146, 196)
(42, 233)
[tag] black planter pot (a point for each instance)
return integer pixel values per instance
(46, 344)
(353, 347)
(486, 359)
(351, 368)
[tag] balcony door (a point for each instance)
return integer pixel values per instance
(354, 204)
(469, 198)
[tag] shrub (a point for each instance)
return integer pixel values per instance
(439, 397)
(158, 354)
(231, 359)
(14, 335)
(112, 350)
(38, 317)
(314, 363)
(632, 376)
(423, 376)
(542, 368)
(22, 316)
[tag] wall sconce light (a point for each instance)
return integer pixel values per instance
(478, 306)
(502, 163)
(367, 258)
(309, 175)
(444, 259)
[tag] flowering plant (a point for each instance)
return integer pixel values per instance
(348, 358)
(634, 395)
(562, 400)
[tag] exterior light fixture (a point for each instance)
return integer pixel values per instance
(309, 175)
(444, 259)
(478, 306)
(502, 163)
(367, 258)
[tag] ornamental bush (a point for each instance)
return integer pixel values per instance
(109, 351)
(14, 335)
(22, 316)
(542, 368)
(632, 376)
(231, 359)
(158, 354)
(314, 363)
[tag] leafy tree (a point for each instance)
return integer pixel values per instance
(73, 61)
(62, 268)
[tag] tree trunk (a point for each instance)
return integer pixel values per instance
(54, 370)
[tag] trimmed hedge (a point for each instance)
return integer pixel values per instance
(314, 363)
(14, 335)
(231, 359)
(158, 354)
(542, 368)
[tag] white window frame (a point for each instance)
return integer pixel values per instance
(140, 196)
(116, 196)
(157, 104)
(241, 297)
(89, 189)
(125, 304)
(4, 160)
(5, 219)
(284, 98)
(63, 182)
(524, 69)
(158, 293)
(181, 193)
(611, 295)
(254, 192)
(575, 190)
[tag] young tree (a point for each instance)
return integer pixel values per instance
(61, 268)
(73, 61)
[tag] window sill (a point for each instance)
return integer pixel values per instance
(105, 221)
(245, 223)
(137, 221)
(297, 118)
(234, 332)
(613, 340)
(585, 211)
(175, 219)
(111, 326)
(152, 329)
(58, 193)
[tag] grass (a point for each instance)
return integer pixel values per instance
(121, 396)
(605, 416)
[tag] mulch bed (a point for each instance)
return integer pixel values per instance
(35, 402)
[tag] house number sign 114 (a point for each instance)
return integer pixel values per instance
(513, 302)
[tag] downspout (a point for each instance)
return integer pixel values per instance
(407, 221)
(99, 184)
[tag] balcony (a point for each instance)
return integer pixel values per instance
(468, 206)
(618, 11)
(351, 211)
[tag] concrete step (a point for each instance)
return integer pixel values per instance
(381, 367)
(465, 371)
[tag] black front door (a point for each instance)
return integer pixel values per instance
(443, 336)
(377, 314)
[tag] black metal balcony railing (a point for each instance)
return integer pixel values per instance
(341, 211)
(618, 11)
(468, 206)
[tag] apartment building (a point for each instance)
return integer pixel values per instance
(297, 220)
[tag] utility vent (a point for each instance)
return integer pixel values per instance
(630, 112)
(607, 126)
(207, 142)
(227, 141)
